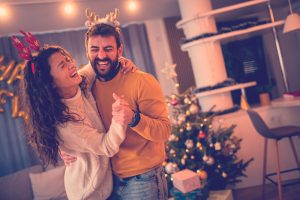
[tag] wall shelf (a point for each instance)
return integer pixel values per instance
(226, 89)
(224, 36)
(215, 12)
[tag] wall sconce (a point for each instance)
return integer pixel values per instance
(292, 21)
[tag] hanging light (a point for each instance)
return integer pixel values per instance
(292, 21)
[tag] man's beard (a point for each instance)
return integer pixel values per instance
(112, 71)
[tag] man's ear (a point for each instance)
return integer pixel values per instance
(120, 50)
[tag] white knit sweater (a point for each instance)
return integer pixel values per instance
(90, 176)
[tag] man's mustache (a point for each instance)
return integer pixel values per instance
(103, 60)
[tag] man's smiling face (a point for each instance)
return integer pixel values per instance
(103, 54)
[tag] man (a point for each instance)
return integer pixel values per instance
(137, 167)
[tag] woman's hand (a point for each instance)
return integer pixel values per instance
(127, 65)
(121, 111)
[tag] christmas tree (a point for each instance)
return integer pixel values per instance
(196, 145)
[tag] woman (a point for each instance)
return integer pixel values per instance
(63, 116)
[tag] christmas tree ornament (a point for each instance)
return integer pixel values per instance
(173, 96)
(193, 109)
(201, 135)
(188, 126)
(181, 130)
(217, 146)
(210, 160)
(189, 144)
(172, 151)
(205, 158)
(187, 101)
(199, 144)
(169, 168)
(187, 113)
(172, 137)
(211, 145)
(174, 102)
(224, 175)
(192, 157)
(202, 174)
(183, 161)
(181, 118)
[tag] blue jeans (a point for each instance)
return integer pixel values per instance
(151, 185)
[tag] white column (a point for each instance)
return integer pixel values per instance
(207, 58)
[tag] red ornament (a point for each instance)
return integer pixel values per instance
(174, 102)
(201, 135)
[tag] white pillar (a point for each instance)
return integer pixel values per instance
(207, 58)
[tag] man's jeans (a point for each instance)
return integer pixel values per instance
(151, 185)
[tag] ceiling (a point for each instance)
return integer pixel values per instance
(47, 15)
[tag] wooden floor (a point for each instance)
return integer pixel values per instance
(291, 192)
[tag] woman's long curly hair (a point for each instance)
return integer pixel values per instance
(45, 106)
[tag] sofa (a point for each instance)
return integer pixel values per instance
(34, 183)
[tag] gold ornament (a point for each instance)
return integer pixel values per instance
(217, 146)
(199, 144)
(188, 127)
(210, 161)
(193, 109)
(202, 174)
(224, 175)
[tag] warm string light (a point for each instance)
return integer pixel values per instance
(132, 5)
(69, 8)
(4, 14)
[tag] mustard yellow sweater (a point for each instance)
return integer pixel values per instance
(143, 148)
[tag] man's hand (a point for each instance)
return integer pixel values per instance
(121, 111)
(127, 65)
(67, 158)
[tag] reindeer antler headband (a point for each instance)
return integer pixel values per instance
(110, 19)
(24, 52)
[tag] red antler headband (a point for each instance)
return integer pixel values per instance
(24, 52)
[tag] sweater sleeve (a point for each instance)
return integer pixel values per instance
(154, 124)
(83, 138)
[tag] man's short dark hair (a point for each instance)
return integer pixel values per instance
(102, 30)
